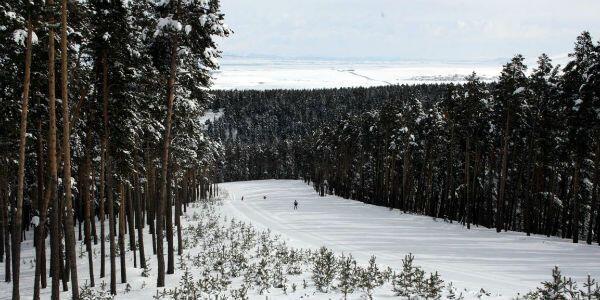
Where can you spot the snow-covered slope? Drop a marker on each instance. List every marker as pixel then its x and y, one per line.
pixel 506 263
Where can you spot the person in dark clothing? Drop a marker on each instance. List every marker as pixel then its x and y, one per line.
pixel 242 198
pixel 295 204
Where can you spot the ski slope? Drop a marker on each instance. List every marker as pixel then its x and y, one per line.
pixel 502 263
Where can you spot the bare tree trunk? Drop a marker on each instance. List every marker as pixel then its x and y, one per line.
pixel 467 211
pixel 103 158
pixel 138 212
pixel 405 174
pixel 111 234
pixel 503 175
pixel 151 191
pixel 18 216
pixel 55 230
pixel 575 222
pixel 69 230
pixel 122 232
pixel 3 225
pixel 178 220
pixel 169 223
pixel 92 203
pixel 594 206
pixel 165 166
pixel 130 225
pixel 5 229
pixel 40 236
pixel 87 200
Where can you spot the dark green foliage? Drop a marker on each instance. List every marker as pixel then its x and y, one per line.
pixel 347 275
pixel 520 153
pixel 370 277
pixel 323 269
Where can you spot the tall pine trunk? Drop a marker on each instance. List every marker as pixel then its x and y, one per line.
pixel 169 224
pixel 66 149
pixel 87 200
pixel 40 236
pixel 165 166
pixel 503 175
pixel 122 232
pixel 131 224
pixel 52 160
pixel 18 216
pixel 138 213
pixel 575 201
pixel 103 158
pixel 111 231
pixel 467 212
pixel 5 228
pixel 594 206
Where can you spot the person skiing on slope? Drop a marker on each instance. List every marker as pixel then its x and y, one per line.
pixel 242 198
pixel 295 204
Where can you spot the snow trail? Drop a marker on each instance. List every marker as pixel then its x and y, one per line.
pixel 507 263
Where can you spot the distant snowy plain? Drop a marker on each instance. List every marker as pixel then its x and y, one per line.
pixel 245 73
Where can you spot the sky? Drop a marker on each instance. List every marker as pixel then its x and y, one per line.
pixel 407 29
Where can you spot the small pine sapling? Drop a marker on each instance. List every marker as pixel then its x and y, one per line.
pixel 591 290
pixel 370 278
pixel 403 283
pixel 435 284
pixel 241 293
pixel 347 277
pixel 262 277
pixel 323 271
pixel 279 279
pixel 452 293
pixel 559 287
pixel 420 283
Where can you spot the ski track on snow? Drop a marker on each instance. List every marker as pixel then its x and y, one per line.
pixel 507 263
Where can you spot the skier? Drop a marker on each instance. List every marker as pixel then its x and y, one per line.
pixel 265 197
pixel 295 204
pixel 242 198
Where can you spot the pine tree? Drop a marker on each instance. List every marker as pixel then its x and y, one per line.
pixel 347 275
pixel 591 289
pixel 18 217
pixel 404 283
pixel 559 288
pixel 66 150
pixel 323 270
pixel 370 278
pixel 262 276
pixel 451 292
pixel 434 288
pixel 510 93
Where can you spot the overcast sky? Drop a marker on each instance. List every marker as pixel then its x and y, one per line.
pixel 407 29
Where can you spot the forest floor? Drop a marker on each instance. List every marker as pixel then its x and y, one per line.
pixel 251 235
pixel 504 264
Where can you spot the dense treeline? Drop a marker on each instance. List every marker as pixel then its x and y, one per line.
pixel 521 153
pixel 102 100
pixel 264 132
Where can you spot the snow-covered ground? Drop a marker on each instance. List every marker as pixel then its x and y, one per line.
pixel 503 263
pixel 258 73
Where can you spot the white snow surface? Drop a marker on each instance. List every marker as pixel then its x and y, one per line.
pixel 245 73
pixel 504 263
